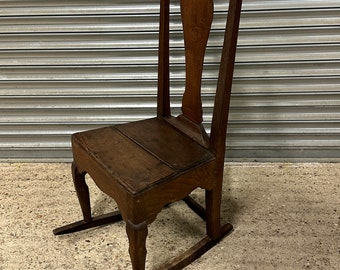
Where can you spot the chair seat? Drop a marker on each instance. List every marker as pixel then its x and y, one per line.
pixel 142 154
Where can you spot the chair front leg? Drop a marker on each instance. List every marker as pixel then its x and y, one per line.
pixel 84 200
pixel 137 244
pixel 82 192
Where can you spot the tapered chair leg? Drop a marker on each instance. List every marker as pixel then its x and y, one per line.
pixel 137 244
pixel 85 204
pixel 82 192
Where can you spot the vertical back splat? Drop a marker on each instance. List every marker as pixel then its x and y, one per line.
pixel 197 17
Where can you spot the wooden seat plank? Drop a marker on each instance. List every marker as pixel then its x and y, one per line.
pixel 118 155
pixel 167 143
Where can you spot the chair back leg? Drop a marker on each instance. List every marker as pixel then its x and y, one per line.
pixel 213 211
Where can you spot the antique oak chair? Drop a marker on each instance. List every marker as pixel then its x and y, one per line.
pixel 148 164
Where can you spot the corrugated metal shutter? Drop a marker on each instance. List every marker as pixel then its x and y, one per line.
pixel 287 91
pixel 67 66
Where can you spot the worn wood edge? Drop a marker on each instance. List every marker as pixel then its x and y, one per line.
pixel 81 225
pixel 195 251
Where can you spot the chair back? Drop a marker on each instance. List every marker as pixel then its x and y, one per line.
pixel 197 17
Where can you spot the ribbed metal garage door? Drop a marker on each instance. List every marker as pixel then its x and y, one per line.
pixel 67 66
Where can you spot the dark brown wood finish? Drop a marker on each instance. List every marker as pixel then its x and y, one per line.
pixel 197 21
pixel 148 164
pixel 163 97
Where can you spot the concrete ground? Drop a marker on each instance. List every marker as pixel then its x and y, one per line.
pixel 285 216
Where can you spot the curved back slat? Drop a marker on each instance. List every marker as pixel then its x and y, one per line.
pixel 197 17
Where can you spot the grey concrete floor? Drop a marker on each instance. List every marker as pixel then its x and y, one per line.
pixel 285 216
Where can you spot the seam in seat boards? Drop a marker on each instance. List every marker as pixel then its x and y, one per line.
pixel 203 155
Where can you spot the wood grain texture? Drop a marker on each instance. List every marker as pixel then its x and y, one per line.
pixel 197 18
pixel 128 163
pixel 163 141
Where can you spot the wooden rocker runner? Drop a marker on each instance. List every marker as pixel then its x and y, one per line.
pixel 148 164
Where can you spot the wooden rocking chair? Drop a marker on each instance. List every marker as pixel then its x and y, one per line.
pixel 148 164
